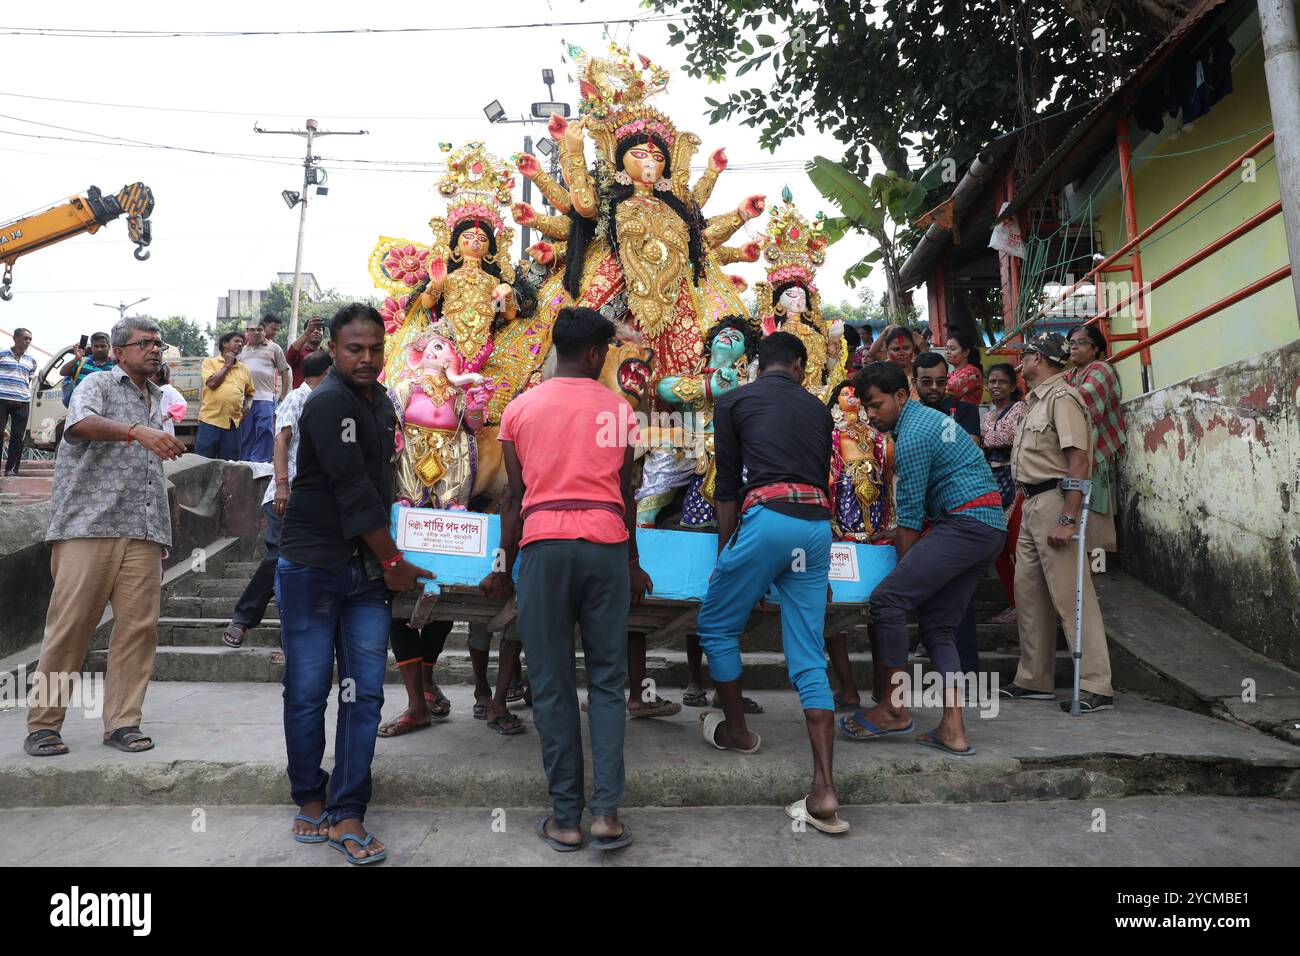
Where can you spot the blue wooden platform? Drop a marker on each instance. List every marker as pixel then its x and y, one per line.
pixel 459 547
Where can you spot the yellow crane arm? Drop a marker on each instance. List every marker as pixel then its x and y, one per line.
pixel 79 214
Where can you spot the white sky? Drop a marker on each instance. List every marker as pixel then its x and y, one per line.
pixel 220 223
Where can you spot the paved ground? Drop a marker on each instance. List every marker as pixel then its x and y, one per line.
pixel 222 743
pixel 1140 831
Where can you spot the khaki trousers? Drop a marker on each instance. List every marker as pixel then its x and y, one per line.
pixel 89 573
pixel 1045 587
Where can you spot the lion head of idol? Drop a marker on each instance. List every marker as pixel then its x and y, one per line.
pixel 628 366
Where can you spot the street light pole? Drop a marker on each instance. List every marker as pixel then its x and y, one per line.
pixel 308 180
pixel 122 307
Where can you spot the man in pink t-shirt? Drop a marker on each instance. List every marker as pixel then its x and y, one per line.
pixel 568 446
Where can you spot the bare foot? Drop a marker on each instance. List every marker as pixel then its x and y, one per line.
pixel 313 809
pixel 607 828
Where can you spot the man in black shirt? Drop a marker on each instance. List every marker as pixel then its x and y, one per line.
pixel 781 435
pixel 930 375
pixel 337 565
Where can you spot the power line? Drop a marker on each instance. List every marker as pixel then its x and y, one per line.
pixel 186 109
pixel 92 33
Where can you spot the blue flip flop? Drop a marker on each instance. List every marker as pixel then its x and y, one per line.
pixel 553 843
pixel 872 730
pixel 930 739
pixel 613 843
pixel 340 845
pixel 307 838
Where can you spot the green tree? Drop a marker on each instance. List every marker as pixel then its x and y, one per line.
pixel 185 334
pixel 906 77
pixel 917 84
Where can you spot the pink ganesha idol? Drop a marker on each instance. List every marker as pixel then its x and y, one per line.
pixel 439 408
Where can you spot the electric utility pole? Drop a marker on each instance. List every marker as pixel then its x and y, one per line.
pixel 312 175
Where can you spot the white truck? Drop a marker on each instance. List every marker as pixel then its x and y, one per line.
pixel 45 420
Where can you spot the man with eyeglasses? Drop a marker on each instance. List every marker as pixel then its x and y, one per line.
pixel 110 528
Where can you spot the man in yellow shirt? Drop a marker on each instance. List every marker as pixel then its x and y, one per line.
pixel 227 393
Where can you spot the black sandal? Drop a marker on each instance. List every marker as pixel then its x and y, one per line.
pixel 122 739
pixel 45 743
pixel 507 725
pixel 232 639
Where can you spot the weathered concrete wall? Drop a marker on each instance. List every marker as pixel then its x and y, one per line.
pixel 208 500
pixel 1210 510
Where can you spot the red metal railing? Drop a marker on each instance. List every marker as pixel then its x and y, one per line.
pixel 1133 244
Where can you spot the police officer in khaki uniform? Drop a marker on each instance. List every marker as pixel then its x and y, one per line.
pixel 1053 441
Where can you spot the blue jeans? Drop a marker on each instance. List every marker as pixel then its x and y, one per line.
pixel 795 555
pixel 215 442
pixel 324 616
pixel 257 432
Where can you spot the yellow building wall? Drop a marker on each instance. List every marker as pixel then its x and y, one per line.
pixel 1163 178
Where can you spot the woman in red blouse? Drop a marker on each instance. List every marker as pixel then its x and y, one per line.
pixel 999 432
pixel 966 380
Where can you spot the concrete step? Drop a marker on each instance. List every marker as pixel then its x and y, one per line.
pixel 1163 651
pixel 206 632
pixel 989 592
pixel 765 670
pixel 211 608
pixel 223 744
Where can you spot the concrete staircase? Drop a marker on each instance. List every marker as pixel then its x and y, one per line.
pixel 196 608
pixel 32 485
pixel 216 717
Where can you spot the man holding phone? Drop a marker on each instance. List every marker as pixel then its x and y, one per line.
pixel 305 344
pixel 75 370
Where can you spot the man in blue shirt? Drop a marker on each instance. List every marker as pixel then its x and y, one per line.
pixel 17 369
pixel 942 480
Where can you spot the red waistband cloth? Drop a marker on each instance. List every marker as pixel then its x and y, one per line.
pixel 789 491
pixel 992 500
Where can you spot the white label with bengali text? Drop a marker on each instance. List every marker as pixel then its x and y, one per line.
pixel 442 532
pixel 844 563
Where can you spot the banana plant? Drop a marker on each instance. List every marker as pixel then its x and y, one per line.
pixel 881 208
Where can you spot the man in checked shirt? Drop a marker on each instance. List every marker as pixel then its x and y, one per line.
pixel 943 481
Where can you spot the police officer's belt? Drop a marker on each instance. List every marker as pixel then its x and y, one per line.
pixel 1031 490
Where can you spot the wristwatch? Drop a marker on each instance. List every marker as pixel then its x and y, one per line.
pixel 1066 520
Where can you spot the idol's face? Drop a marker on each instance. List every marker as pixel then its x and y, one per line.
pixel 473 243
pixel 728 345
pixel 794 300
pixel 848 402
pixel 644 163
